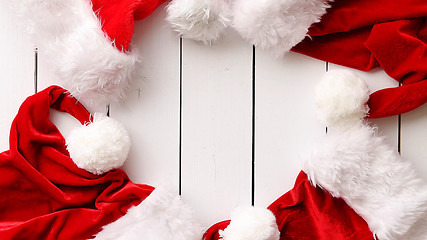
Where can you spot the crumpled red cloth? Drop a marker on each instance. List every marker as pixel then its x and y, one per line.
pixel 366 34
pixel 43 194
pixel 118 17
pixel 309 213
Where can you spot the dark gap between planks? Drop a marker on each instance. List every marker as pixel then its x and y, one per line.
pixel 36 66
pixel 180 120
pixel 253 125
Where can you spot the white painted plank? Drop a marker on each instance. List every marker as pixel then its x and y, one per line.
pixel 17 69
pixel 151 112
pixel 216 126
pixel 377 79
pixel 286 125
pixel 414 139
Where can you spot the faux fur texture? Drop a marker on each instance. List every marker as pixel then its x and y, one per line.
pixel 69 36
pixel 354 163
pixel 161 216
pixel 250 223
pixel 201 20
pixel 341 98
pixel 100 146
pixel 276 24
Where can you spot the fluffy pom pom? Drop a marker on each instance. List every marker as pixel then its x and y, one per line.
pixel 276 24
pixel 201 20
pixel 162 216
pixel 251 223
pixel 70 37
pixel 100 146
pixel 341 98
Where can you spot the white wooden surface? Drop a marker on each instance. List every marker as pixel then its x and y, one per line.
pixel 225 124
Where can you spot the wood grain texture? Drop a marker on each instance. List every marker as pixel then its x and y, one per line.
pixel 216 126
pixel 17 69
pixel 286 126
pixel 151 111
pixel 414 139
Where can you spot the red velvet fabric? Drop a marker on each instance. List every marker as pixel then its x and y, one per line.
pixel 213 232
pixel 43 194
pixel 309 213
pixel 366 34
pixel 118 17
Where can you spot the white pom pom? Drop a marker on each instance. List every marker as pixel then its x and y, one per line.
pixel 201 20
pixel 100 146
pixel 276 24
pixel 249 223
pixel 341 98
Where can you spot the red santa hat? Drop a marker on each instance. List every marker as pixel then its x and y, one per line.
pixel 366 34
pixel 87 42
pixel 305 212
pixel 354 185
pixel 354 163
pixel 47 192
pixel 270 24
pixel 350 33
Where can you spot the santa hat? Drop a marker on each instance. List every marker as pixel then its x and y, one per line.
pixel 79 193
pixel 270 24
pixel 309 210
pixel 305 212
pixel 354 186
pixel 369 34
pixel 87 42
pixel 354 163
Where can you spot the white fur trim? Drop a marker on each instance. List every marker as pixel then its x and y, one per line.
pixel 276 24
pixel 341 98
pixel 100 146
pixel 69 35
pixel 201 20
pixel 250 223
pixel 355 164
pixel 161 216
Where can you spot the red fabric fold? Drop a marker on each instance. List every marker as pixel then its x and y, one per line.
pixel 307 212
pixel 43 194
pixel 118 17
pixel 367 34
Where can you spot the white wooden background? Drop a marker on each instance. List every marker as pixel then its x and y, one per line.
pixel 226 124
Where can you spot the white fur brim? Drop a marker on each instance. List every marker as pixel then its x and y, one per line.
pixel 201 20
pixel 161 216
pixel 276 24
pixel 352 162
pixel 357 165
pixel 69 35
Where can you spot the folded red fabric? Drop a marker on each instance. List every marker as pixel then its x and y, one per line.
pixel 367 34
pixel 307 212
pixel 118 17
pixel 43 194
